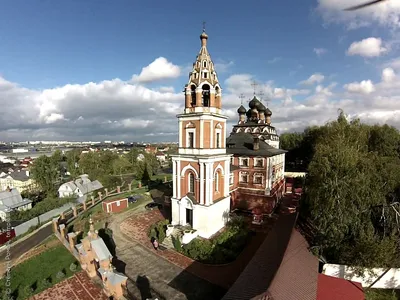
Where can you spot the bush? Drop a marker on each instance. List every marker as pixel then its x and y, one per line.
pixel 222 249
pixel 158 230
pixel 177 243
pixel 60 275
pixel 46 283
pixel 73 267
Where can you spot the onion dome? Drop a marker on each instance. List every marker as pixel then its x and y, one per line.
pixel 241 110
pixel 254 102
pixel 261 107
pixel 268 112
pixel 248 113
pixel 203 35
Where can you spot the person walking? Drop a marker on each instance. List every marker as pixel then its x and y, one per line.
pixel 155 244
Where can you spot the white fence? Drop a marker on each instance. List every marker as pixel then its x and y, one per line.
pixel 391 280
pixel 24 227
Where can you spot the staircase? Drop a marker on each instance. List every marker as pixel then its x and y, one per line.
pixel 167 243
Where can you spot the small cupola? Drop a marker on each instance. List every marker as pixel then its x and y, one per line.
pixel 241 110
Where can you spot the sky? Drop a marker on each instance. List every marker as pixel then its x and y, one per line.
pixel 115 70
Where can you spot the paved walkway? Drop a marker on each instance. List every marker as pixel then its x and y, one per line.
pixel 77 287
pixel 136 228
pixel 155 276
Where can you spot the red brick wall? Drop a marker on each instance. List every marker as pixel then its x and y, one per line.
pixel 113 205
pixel 242 199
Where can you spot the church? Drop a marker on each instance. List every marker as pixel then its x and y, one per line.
pixel 214 174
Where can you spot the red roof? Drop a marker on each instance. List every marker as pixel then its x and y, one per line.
pixel 332 288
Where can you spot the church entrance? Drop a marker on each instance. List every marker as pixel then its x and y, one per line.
pixel 189 217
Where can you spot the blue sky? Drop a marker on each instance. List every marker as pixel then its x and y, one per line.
pixel 49 44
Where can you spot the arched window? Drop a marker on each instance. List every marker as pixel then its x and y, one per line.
pixel 193 95
pixel 216 88
pixel 204 64
pixel 216 181
pixel 191 183
pixel 206 95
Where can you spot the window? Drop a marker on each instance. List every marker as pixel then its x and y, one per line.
pixel 205 64
pixel 231 179
pixel 216 181
pixel 193 95
pixel 258 178
pixel 258 162
pixel 218 140
pixel 244 177
pixel 244 162
pixel 191 183
pixel 205 75
pixel 191 139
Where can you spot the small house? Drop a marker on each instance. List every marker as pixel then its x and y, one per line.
pixel 115 205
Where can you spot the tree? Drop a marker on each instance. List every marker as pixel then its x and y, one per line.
pixel 72 157
pixel 45 172
pixel 347 189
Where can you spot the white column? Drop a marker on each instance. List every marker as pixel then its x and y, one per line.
pixel 201 183
pixel 201 133
pixel 226 178
pixel 174 178
pixel 178 178
pixel 210 182
pixel 180 133
pixel 212 134
pixel 207 181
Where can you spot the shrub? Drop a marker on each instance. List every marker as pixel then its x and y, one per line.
pixel 46 283
pixel 73 267
pixel 158 230
pixel 177 243
pixel 60 275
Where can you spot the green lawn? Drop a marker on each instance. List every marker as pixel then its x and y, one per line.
pixel 380 294
pixel 39 273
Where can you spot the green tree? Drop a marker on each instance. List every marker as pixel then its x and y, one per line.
pixel 45 172
pixel 72 157
pixel 346 191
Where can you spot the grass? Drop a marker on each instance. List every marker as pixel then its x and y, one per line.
pixel 39 273
pixel 381 294
pixel 99 217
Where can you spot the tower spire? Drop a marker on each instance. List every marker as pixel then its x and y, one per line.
pixel 204 36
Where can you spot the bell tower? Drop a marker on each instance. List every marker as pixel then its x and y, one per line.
pixel 202 167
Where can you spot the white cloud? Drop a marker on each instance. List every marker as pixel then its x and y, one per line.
pixel 320 51
pixel 363 87
pixel 369 47
pixel 314 78
pixel 388 75
pixel 166 89
pixel 116 109
pixel 386 13
pixel 159 69
pixel 222 66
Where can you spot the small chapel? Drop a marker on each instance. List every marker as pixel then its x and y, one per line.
pixel 212 173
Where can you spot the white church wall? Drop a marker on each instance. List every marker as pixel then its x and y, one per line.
pixel 208 220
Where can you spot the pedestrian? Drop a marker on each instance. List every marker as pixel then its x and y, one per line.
pixel 155 244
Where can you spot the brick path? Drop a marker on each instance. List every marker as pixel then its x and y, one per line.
pixel 77 287
pixel 136 227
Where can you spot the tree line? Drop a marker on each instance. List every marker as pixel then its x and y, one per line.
pixel 352 190
pixel 106 166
